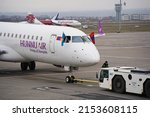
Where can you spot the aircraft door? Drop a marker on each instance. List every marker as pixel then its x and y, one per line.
pixel 52 43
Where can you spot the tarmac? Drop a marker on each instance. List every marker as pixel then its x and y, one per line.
pixel 47 82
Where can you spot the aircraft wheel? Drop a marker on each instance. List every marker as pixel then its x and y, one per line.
pixel 118 84
pixel 24 66
pixel 72 79
pixel 147 88
pixel 68 79
pixel 32 65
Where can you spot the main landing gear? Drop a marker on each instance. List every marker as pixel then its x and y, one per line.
pixel 25 65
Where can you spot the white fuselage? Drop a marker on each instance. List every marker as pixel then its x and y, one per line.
pixel 73 23
pixel 29 42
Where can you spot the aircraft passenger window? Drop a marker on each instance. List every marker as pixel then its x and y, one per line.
pixel 28 37
pixel 36 37
pixel 24 36
pixel 20 36
pixel 4 34
pixel 41 38
pixel 12 35
pixel 16 36
pixel 8 35
pixel 32 37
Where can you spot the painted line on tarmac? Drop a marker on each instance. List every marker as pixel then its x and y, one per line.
pixel 88 81
pixel 121 47
pixel 125 57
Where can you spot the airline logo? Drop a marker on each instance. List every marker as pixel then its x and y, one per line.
pixel 38 47
pixel 30 18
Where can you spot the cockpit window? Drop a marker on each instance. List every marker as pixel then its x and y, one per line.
pixel 78 39
pixel 67 39
pixel 85 39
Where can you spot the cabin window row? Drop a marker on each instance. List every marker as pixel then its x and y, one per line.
pixel 21 36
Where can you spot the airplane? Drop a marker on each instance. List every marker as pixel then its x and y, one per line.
pixel 30 18
pixel 63 22
pixel 58 45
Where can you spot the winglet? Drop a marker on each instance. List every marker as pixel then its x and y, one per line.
pixel 92 37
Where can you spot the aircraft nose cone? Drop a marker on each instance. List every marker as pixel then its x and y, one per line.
pixel 95 58
pixel 92 57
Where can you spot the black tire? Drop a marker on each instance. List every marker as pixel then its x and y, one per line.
pixel 32 65
pixel 72 79
pixel 147 88
pixel 24 66
pixel 118 84
pixel 68 79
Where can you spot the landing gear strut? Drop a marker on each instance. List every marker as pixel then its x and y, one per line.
pixel 25 65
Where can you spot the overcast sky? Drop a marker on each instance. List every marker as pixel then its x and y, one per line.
pixel 67 5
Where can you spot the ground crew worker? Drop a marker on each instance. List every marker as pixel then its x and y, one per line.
pixel 105 64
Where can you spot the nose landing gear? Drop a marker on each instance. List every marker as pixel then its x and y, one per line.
pixel 70 79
